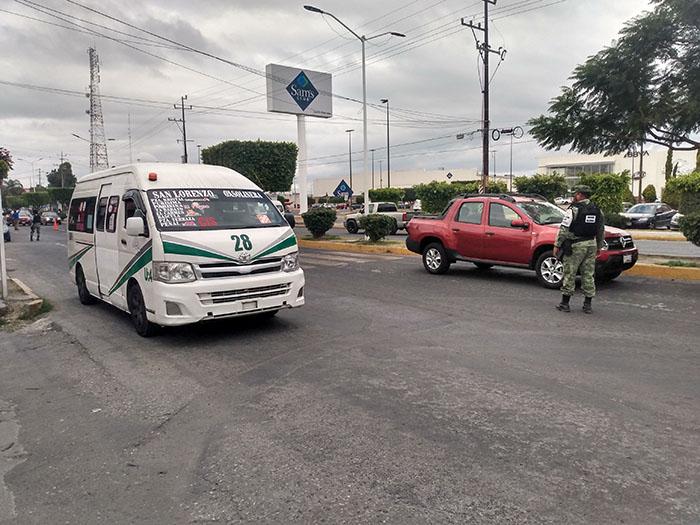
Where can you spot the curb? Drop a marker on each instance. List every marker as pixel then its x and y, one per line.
pixel 658 271
pixel 353 248
pixel 655 271
pixel 653 237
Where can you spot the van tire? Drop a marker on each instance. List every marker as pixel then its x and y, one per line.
pixel 83 293
pixel 137 310
pixel 435 259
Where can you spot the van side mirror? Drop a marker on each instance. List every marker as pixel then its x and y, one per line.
pixel 135 226
pixel 519 223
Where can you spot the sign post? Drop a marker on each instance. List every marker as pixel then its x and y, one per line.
pixel 302 93
pixel 3 263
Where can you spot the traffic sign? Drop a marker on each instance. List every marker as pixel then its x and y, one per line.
pixel 449 174
pixel 343 190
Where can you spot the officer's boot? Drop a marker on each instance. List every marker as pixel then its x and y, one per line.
pixel 563 306
pixel 587 307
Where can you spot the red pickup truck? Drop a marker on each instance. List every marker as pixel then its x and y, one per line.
pixel 508 230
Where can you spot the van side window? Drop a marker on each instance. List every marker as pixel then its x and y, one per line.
pixel 112 209
pixel 133 207
pixel 129 209
pixel 101 212
pixel 81 216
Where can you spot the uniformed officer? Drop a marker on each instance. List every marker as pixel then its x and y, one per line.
pixel 580 240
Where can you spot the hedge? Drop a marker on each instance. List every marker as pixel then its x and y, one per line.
pixel 319 220
pixel 649 193
pixel 271 165
pixel 435 195
pixel 685 191
pixel 690 227
pixel 386 195
pixel 377 226
pixel 608 190
pixel 549 186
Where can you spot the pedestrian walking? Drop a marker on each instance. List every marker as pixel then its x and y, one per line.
pixel 36 225
pixel 578 243
pixel 15 219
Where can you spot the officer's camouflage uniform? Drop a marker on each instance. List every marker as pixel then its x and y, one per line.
pixel 583 255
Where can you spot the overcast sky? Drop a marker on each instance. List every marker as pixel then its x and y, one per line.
pixel 430 76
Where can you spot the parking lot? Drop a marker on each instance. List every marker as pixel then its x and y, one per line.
pixel 393 395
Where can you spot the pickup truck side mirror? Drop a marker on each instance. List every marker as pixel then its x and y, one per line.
pixel 519 223
pixel 135 226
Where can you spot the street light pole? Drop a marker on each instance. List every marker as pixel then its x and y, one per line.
pixel 199 153
pixel 372 151
pixel 363 39
pixel 349 132
pixel 388 155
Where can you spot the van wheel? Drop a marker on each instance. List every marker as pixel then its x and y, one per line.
pixel 137 309
pixel 83 293
pixel 550 270
pixel 351 226
pixel 435 258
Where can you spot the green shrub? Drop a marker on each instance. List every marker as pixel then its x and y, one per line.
pixel 386 194
pixel 319 220
pixel 649 193
pixel 616 221
pixel 549 186
pixel 608 189
pixel 627 195
pixel 377 226
pixel 690 227
pixel 409 194
pixel 686 192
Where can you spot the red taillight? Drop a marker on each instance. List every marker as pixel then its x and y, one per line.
pixel 404 217
pixel 153 176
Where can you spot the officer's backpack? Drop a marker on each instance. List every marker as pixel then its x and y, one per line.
pixel 587 221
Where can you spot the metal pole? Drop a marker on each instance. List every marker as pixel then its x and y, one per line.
pixel 388 155
pixel 380 174
pixel 3 262
pixel 641 168
pixel 349 132
pixel 131 146
pixel 485 145
pixel 364 124
pixel 510 177
pixel 301 164
pixel 184 129
pixel 372 168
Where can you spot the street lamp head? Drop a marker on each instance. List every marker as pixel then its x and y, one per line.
pixel 397 34
pixel 349 130
pixel 384 100
pixel 314 9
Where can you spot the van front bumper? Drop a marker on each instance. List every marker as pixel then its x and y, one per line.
pixel 206 299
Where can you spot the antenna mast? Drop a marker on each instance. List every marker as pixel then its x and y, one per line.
pixel 98 143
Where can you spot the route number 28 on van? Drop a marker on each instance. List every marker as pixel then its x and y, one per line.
pixel 174 244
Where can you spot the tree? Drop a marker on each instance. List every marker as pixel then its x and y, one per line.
pixel 549 186
pixel 386 194
pixel 13 187
pixel 649 193
pixel 6 163
pixel 668 167
pixel 608 190
pixel 271 165
pixel 643 88
pixel 62 177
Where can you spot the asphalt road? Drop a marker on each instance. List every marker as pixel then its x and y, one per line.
pixel 680 249
pixel 393 396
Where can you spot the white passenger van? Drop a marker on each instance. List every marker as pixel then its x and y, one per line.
pixel 174 244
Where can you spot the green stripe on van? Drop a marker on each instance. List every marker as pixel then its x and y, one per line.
pixel 183 249
pixel 73 259
pixel 286 243
pixel 141 259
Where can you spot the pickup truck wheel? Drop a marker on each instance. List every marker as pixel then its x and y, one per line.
pixel 435 258
pixel 351 226
pixel 483 266
pixel 550 270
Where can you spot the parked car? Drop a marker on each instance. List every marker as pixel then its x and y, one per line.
pixel 627 205
pixel 675 220
pixel 6 231
pixel 49 217
pixel 508 230
pixel 649 215
pixel 417 205
pixel 25 218
pixel 352 221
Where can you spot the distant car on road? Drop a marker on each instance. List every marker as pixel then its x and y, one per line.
pixel 49 217
pixel 352 221
pixel 649 215
pixel 6 231
pixel 508 230
pixel 25 218
pixel 675 220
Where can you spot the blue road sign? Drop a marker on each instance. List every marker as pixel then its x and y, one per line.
pixel 343 190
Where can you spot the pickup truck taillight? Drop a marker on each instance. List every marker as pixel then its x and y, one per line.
pixel 404 217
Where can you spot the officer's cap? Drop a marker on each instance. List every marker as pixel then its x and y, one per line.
pixel 586 190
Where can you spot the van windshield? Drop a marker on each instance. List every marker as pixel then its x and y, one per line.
pixel 212 209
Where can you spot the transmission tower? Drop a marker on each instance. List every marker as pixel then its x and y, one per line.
pixel 98 143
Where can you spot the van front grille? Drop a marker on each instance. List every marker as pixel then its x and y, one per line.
pixel 245 294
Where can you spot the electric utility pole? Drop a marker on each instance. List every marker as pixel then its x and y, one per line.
pixel 184 141
pixel 485 51
pixel 98 143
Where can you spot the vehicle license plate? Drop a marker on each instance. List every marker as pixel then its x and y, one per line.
pixel 249 305
pixel 626 259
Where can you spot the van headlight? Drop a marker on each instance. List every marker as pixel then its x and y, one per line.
pixel 170 272
pixel 290 262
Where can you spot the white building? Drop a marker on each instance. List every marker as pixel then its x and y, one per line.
pixel 399 179
pixel 571 165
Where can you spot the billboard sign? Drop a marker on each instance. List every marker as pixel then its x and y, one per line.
pixel 299 91
pixel 343 190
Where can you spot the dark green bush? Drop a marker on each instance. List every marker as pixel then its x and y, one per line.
pixel 377 226
pixel 616 221
pixel 549 186
pixel 319 220
pixel 649 193
pixel 386 194
pixel 690 227
pixel 608 189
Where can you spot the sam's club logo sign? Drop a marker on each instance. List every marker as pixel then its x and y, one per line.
pixel 302 91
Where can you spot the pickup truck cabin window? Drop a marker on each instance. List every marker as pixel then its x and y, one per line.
pixel 470 212
pixel 501 215
pixel 386 208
